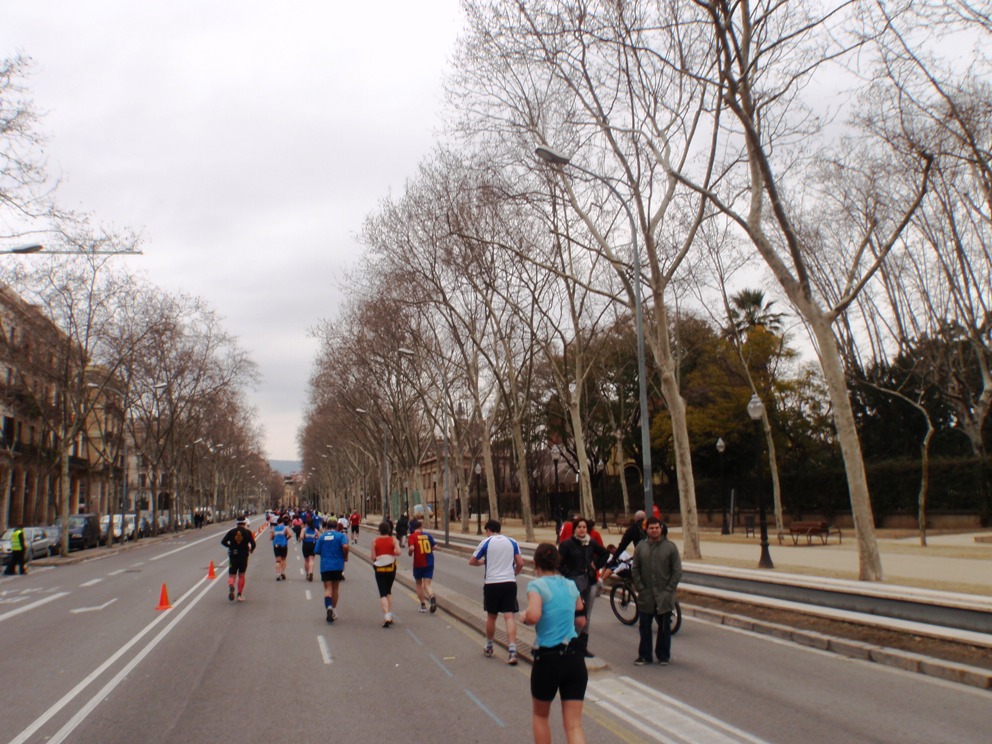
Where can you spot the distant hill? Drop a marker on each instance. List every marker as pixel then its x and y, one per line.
pixel 285 467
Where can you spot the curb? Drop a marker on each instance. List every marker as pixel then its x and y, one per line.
pixel 906 660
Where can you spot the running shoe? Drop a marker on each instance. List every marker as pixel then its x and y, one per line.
pixel 640 662
pixel 230 592
pixel 386 624
pixel 330 615
pixel 423 608
pixel 512 658
pixel 283 577
pixel 488 652
pixel 663 662
pixel 433 604
pixel 241 597
pixel 309 577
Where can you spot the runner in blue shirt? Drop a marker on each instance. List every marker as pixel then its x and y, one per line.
pixel 332 547
pixel 310 534
pixel 280 546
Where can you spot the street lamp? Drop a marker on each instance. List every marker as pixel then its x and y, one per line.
pixel 602 490
pixel 435 499
pixel 556 507
pixel 756 409
pixel 554 158
pixel 478 499
pixel 721 447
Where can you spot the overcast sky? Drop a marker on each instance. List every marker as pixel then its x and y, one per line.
pixel 245 140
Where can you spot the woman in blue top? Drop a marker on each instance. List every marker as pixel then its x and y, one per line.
pixel 555 608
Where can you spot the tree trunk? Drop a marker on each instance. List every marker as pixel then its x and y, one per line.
pixel 869 560
pixel 516 429
pixel 773 467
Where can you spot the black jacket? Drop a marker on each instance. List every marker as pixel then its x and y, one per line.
pixel 577 558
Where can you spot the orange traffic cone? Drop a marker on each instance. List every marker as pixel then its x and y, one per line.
pixel 163 600
pixel 211 574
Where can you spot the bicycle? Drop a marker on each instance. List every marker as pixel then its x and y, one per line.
pixel 623 599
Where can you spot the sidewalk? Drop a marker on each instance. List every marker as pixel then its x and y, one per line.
pixel 952 562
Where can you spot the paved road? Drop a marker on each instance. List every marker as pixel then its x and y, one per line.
pixel 92 659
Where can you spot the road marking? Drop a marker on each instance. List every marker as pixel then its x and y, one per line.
pixel 104 606
pixel 660 716
pixel 485 709
pixel 86 681
pixel 441 664
pixel 91 582
pixel 181 547
pixel 118 571
pixel 324 650
pixel 105 691
pixel 25 608
pixel 309 596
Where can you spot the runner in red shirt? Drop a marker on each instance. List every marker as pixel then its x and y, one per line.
pixel 356 520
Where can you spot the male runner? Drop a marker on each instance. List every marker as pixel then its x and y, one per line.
pixel 422 549
pixel 332 547
pixel 240 543
pixel 501 557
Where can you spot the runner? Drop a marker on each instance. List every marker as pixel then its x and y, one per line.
pixel 356 521
pixel 422 547
pixel 501 557
pixel 555 609
pixel 280 537
pixel 297 526
pixel 310 534
pixel 332 547
pixel 240 543
pixel 385 548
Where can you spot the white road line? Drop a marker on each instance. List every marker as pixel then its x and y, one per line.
pixel 309 596
pixel 668 718
pixel 91 582
pixel 324 650
pixel 118 571
pixel 86 681
pixel 105 691
pixel 31 606
pixel 182 547
pixel 104 606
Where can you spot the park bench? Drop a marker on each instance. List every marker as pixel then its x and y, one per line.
pixel 809 530
pixel 622 523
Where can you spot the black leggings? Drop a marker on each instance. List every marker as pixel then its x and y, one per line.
pixel 384 580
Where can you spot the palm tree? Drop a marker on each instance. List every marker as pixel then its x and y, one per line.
pixel 749 311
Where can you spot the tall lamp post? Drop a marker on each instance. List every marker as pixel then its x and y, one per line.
pixel 554 158
pixel 478 499
pixel 602 490
pixel 721 447
pixel 435 501
pixel 755 409
pixel 556 506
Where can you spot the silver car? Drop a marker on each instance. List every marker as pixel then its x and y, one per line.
pixel 38 540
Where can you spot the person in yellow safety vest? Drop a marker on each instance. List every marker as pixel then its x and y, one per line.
pixel 17 549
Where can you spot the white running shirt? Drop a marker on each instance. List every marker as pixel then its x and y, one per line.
pixel 499 553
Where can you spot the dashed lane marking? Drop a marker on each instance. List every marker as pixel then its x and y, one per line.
pixel 325 651
pixel 27 607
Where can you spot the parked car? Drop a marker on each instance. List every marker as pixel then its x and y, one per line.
pixel 38 540
pixel 84 531
pixel 105 525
